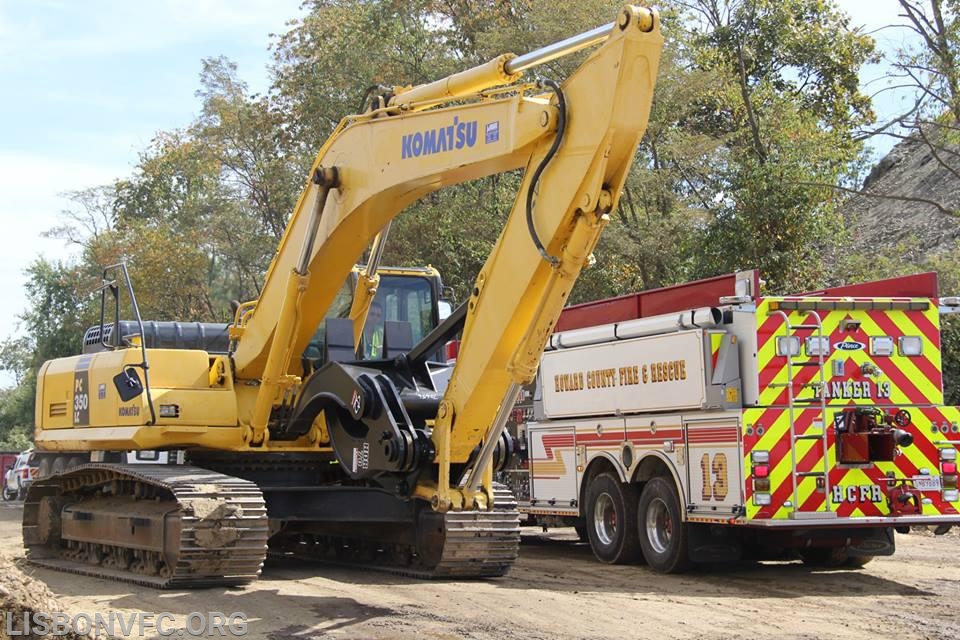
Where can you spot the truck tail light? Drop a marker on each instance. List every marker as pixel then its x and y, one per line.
pixel 948 474
pixel 881 346
pixel 788 346
pixel 817 346
pixel 760 469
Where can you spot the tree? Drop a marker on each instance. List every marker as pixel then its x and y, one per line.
pixel 90 216
pixel 59 310
pixel 327 62
pixel 934 67
pixel 928 74
pixel 784 112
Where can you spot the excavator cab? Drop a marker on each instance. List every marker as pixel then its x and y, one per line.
pixel 406 307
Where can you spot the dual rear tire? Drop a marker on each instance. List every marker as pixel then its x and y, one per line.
pixel 611 520
pixel 625 525
pixel 663 534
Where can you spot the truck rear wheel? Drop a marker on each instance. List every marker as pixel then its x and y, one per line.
pixel 826 557
pixel 611 520
pixel 663 534
pixel 857 562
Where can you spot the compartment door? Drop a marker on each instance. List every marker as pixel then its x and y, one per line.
pixel 553 465
pixel 713 466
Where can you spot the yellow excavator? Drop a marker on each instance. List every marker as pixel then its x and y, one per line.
pixel 176 453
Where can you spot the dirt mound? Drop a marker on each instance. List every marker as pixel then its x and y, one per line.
pixel 913 169
pixel 22 596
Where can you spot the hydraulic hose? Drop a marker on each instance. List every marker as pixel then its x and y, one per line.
pixel 534 182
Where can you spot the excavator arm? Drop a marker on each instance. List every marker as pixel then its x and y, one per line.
pixel 576 140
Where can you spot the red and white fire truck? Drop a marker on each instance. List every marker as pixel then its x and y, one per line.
pixel 704 423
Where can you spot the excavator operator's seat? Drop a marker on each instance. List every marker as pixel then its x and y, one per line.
pixel 397 338
pixel 338 346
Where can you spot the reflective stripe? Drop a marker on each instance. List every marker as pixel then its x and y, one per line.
pixel 922 454
pixel 375 348
pixel 912 380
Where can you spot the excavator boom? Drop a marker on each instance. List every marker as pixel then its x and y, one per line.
pixel 375 165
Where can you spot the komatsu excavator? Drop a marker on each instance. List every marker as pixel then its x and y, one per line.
pixel 285 434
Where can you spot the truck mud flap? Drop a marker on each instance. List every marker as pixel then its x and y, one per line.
pixel 712 544
pixel 875 542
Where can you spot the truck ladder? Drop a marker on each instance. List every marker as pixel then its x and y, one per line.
pixel 814 323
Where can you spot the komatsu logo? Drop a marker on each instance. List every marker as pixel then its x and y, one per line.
pixel 424 143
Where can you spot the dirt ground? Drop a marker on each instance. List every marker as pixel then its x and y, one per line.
pixel 558 590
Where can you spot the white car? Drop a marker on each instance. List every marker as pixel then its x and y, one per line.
pixel 19 476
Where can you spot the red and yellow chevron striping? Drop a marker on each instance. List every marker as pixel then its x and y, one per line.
pixel 858 371
pixel 850 490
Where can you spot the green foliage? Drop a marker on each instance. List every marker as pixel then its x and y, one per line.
pixel 57 313
pixel 53 326
pixel 328 60
pixel 16 416
pixel 783 105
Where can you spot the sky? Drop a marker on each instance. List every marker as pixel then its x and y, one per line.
pixel 86 85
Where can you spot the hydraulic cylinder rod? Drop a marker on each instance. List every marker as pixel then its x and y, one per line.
pixel 558 49
pixel 507 68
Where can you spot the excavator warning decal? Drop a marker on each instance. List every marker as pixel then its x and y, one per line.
pixel 361 458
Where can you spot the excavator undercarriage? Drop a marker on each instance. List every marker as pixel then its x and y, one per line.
pixel 178 526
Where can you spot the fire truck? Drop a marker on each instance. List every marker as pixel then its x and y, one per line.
pixel 706 423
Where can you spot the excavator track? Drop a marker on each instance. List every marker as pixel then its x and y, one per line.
pixel 455 544
pixel 158 526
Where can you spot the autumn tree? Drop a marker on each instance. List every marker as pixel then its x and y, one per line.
pixel 784 110
pixel 53 324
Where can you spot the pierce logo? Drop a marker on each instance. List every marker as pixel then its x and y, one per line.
pixel 849 345
pixel 424 143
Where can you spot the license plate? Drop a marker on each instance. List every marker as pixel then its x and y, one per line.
pixel 927 483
